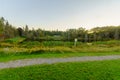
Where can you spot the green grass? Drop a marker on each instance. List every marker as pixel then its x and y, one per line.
pixel 96 70
pixel 8 57
pixel 55 49
pixel 14 40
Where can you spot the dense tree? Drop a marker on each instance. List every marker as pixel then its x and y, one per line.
pixel 2 20
pixel 95 34
pixel 26 31
pixel 20 32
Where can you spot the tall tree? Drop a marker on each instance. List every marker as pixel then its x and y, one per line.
pixel 26 31
pixel 2 20
pixel 116 35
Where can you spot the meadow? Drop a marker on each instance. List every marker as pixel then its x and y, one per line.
pixel 17 48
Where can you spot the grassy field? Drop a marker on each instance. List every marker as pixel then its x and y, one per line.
pixel 96 70
pixel 13 49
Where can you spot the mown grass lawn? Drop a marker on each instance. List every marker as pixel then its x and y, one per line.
pixel 17 56
pixel 96 70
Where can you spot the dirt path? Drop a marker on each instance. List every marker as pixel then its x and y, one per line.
pixel 28 62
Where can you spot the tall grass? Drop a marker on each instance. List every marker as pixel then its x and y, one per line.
pixel 58 46
pixel 35 47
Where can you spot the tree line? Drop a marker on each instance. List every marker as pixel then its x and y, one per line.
pixel 95 34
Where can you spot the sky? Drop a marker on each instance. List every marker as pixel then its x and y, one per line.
pixel 61 14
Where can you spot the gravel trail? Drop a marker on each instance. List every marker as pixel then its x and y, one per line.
pixel 28 62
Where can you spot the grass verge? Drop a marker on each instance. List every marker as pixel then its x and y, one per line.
pixel 8 57
pixel 96 70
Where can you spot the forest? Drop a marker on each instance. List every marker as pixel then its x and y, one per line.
pixel 104 33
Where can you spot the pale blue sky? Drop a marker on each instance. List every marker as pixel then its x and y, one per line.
pixel 61 14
